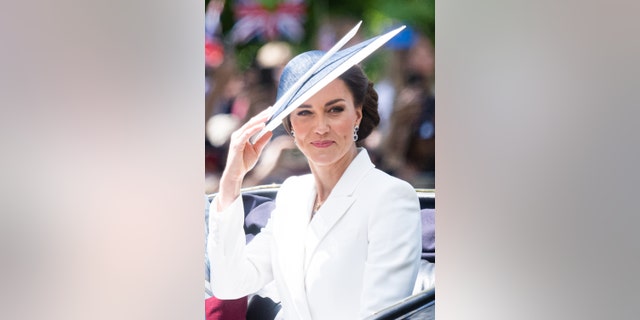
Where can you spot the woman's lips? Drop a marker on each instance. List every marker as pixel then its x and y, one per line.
pixel 322 144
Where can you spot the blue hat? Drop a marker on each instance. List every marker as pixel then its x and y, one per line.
pixel 331 68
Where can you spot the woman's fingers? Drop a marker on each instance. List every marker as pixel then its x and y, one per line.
pixel 259 145
pixel 268 111
pixel 261 117
pixel 242 154
pixel 245 134
pixel 253 126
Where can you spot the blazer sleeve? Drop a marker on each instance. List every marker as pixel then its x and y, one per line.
pixel 237 269
pixel 393 254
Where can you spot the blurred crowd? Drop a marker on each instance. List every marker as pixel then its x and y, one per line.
pixel 402 145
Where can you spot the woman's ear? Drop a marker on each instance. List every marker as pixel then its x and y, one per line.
pixel 358 115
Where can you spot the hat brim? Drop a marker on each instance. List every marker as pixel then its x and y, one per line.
pixel 331 69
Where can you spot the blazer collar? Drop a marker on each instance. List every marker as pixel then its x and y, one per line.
pixel 339 201
pixel 350 179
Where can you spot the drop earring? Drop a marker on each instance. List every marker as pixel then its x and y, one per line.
pixel 293 135
pixel 355 133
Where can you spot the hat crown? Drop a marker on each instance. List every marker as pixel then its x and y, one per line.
pixel 296 68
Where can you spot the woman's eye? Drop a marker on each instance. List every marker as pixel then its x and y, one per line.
pixel 303 112
pixel 336 109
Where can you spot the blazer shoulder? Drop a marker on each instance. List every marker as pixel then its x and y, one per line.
pixel 296 181
pixel 384 181
pixel 296 184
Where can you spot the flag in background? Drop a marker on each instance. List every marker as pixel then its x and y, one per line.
pixel 268 20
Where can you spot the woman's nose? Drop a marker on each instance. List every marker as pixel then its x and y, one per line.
pixel 322 125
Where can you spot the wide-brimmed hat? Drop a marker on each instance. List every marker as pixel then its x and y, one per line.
pixel 309 72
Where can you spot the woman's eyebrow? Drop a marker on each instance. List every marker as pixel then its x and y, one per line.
pixel 333 101
pixel 306 106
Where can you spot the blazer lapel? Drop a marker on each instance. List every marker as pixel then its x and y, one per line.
pixel 336 205
pixel 328 215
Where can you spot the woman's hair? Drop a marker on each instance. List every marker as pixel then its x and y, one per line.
pixel 363 95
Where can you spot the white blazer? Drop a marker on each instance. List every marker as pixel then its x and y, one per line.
pixel 360 252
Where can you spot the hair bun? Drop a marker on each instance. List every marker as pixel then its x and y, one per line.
pixel 370 116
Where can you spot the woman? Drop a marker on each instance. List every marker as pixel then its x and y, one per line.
pixel 343 241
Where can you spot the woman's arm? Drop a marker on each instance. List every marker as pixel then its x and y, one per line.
pixel 242 157
pixel 393 254
pixel 233 274
pixel 237 269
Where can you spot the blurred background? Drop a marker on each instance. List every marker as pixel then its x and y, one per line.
pixel 248 42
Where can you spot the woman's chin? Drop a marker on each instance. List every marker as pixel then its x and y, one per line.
pixel 322 157
pixel 323 160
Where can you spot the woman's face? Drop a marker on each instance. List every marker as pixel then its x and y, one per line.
pixel 323 125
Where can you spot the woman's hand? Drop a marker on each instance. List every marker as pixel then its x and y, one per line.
pixel 243 156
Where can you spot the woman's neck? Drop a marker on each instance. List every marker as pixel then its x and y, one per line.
pixel 326 177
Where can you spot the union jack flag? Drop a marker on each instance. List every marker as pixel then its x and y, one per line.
pixel 255 20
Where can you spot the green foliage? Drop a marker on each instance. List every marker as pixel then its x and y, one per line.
pixel 378 14
pixel 419 14
pixel 270 4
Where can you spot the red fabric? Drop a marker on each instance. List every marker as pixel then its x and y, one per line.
pixel 216 309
